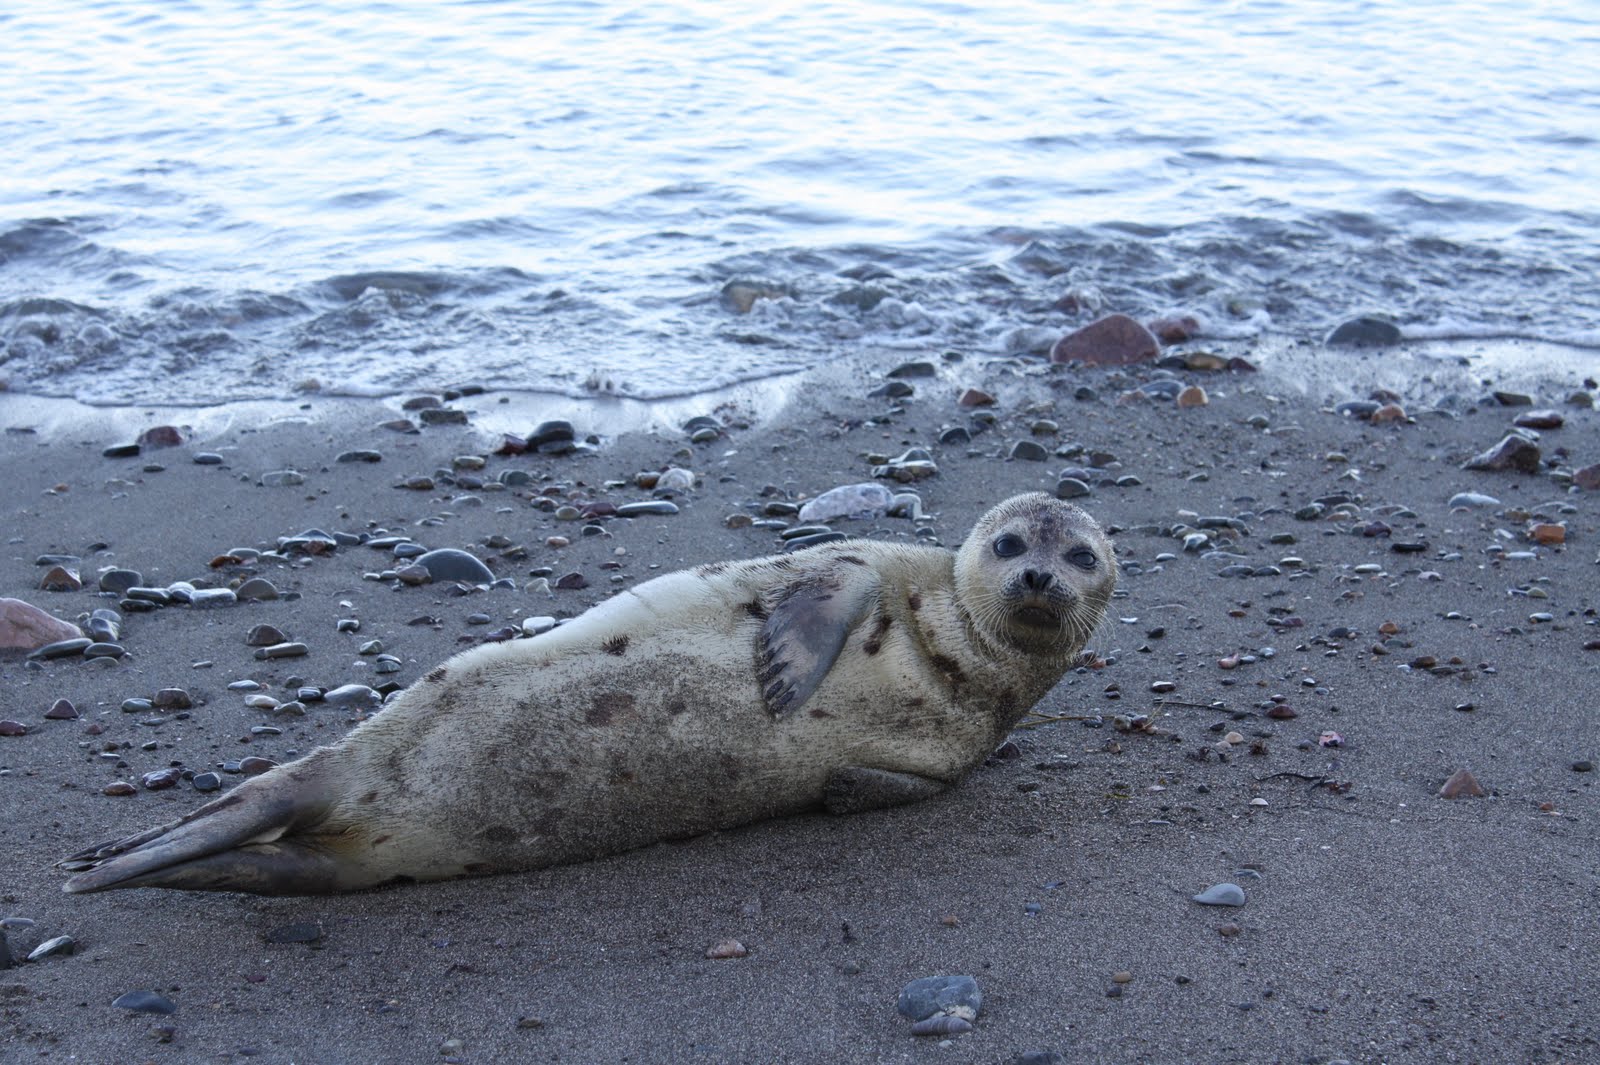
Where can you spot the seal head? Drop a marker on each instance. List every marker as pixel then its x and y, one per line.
pixel 1036 574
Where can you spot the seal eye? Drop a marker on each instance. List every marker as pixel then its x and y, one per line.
pixel 1009 546
pixel 1082 557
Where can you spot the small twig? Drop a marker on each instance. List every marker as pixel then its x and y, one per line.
pixel 1036 719
pixel 1219 705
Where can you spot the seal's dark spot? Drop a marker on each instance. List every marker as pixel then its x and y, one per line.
pixel 617 645
pixel 819 712
pixel 382 839
pixel 916 702
pixel 606 706
pixel 874 643
pixel 731 769
pixel 854 560
pixel 915 601
pixel 498 834
pixel 622 776
pixel 949 667
pixel 756 610
pixel 370 796
pixel 1006 703
pixel 676 707
pixel 436 675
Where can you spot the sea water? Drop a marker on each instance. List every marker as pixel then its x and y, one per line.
pixel 206 201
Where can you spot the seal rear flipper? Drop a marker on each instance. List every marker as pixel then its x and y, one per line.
pixel 233 832
pixel 858 788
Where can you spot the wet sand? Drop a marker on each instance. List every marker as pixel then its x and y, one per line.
pixel 1383 923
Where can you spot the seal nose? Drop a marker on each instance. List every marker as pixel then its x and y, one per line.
pixel 1035 581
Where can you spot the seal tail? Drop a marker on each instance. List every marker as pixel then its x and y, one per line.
pixel 250 840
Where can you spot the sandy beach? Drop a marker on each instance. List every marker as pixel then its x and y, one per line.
pixel 1295 686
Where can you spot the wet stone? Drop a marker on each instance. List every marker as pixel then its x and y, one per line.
pixel 1513 452
pixel 1512 399
pixel 956 996
pixel 281 650
pixel 172 699
pixel 61 579
pixel 62 648
pixel 647 508
pixel 13 728
pixel 359 456
pixel 357 696
pixel 1363 332
pixel 211 598
pixel 1540 419
pixel 104 650
pixel 104 625
pixel 282 478
pixel 442 416
pixel 145 1002
pixel 1221 895
pixel 120 580
pixel 61 710
pixel 1029 451
pixel 450 564
pixel 207 458
pixel 572 581
pixel 265 636
pixel 60 946
pixel 206 781
pixel 121 451
pixel 161 779
pixel 1115 340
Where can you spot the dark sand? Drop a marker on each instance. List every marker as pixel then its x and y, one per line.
pixel 1384 923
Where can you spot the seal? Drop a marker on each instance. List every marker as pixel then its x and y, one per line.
pixel 849 676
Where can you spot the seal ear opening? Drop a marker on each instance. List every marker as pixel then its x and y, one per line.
pixel 231 844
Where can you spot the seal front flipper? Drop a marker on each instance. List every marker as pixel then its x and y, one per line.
pixel 857 789
pixel 245 841
pixel 807 628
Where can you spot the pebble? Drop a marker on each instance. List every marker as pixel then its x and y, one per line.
pixel 60 945
pixel 209 598
pixel 974 397
pixel 1462 784
pixel 256 589
pixel 537 625
pixel 857 501
pixel 119 787
pixel 145 1002
pixel 1472 499
pixel 104 625
pixel 359 456
pixel 121 451
pixel 61 579
pixel 647 508
pixel 62 648
pixel 161 779
pixel 1029 451
pixel 120 580
pixel 207 458
pixel 1540 419
pixel 413 575
pixel 929 996
pixel 1221 895
pixel 264 636
pixel 1513 452
pixel 1363 332
pixel 13 728
pixel 61 710
pixel 281 650
pixel 727 948
pixel 572 581
pixel 442 416
pixel 1193 396
pixel 449 564
pixel 206 781
pixel 172 699
pixel 254 766
pixel 282 479
pixel 357 696
pixel 1115 340
pixel 104 650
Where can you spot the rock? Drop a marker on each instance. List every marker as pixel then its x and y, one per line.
pixel 282 478
pixel 1540 419
pixel 1472 499
pixel 119 787
pixel 206 781
pixel 1513 399
pixel 61 710
pixel 357 696
pixel 555 437
pixel 1221 894
pixel 104 624
pixel 1029 451
pixel 974 397
pixel 159 436
pixel 172 699
pixel 1547 533
pixel 24 626
pixel 572 581
pixel 120 580
pixel 449 564
pixel 953 996
pixel 121 451
pixel 1193 396
pixel 857 501
pixel 1115 340
pixel 207 458
pixel 63 648
pixel 264 636
pixel 210 598
pixel 1514 452
pixel 61 579
pixel 727 948
pixel 892 390
pixel 359 456
pixel 281 650
pixel 1364 332
pixel 1071 488
pixel 913 369
pixel 1587 478
pixel 1174 329
pixel 442 416
pixel 13 728
pixel 161 779
pixel 256 589
pixel 647 508
pixel 1462 784
pixel 145 1002
pixel 675 479
pixel 741 294
pixel 61 946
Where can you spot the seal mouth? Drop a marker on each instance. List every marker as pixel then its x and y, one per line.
pixel 1037 617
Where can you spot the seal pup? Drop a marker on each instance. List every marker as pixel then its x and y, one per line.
pixel 850 676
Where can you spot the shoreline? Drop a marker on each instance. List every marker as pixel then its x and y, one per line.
pixel 1383 922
